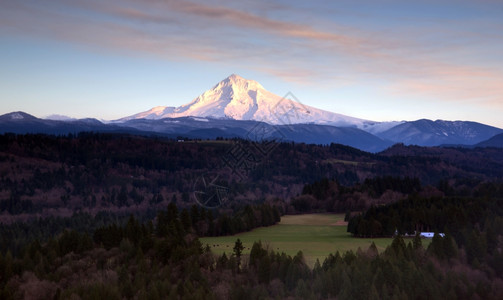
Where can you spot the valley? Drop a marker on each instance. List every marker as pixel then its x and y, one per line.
pixel 251 150
pixel 117 215
pixel 316 235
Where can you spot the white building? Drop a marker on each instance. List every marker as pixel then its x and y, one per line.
pixel 429 235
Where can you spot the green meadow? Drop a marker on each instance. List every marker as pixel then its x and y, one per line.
pixel 316 235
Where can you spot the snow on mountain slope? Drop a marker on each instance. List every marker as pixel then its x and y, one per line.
pixel 155 113
pixel 378 127
pixel 241 99
pixel 57 117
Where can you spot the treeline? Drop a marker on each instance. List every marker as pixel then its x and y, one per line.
pixel 16 236
pixel 374 186
pixel 475 224
pixel 143 263
pixel 173 264
pixel 402 271
pixel 163 258
pixel 106 228
pixel 415 213
pixel 198 221
pixel 42 174
pixel 171 241
pixel 332 196
pixel 378 185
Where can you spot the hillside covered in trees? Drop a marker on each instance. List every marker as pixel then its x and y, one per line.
pixel 166 260
pixel 114 216
pixel 43 176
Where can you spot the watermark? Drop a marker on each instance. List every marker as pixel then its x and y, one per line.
pixel 245 155
pixel 288 112
pixel 208 193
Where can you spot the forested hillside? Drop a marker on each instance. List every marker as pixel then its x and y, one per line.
pixel 54 176
pixel 166 260
pixel 112 216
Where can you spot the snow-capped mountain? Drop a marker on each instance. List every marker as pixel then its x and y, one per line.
pixel 236 107
pixel 242 99
pixel 421 132
pixel 199 128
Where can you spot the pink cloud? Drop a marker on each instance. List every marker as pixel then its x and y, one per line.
pixel 285 48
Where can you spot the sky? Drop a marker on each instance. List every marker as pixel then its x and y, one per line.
pixel 376 60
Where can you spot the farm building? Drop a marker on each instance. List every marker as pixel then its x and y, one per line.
pixel 429 235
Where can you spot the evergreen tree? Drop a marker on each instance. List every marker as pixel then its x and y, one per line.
pixel 194 214
pixel 264 269
pixel 238 250
pixel 416 242
pixel 449 247
pixel 222 261
pixel 437 246
pixel 185 219
pixel 172 213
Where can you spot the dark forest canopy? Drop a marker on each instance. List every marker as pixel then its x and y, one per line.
pixel 42 174
pixel 164 259
pixel 114 216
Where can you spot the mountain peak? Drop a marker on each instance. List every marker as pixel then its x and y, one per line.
pixel 234 76
pixel 17 115
pixel 239 98
pixel 240 83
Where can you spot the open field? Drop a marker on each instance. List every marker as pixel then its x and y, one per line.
pixel 316 235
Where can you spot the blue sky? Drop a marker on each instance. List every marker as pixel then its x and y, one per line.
pixel 377 60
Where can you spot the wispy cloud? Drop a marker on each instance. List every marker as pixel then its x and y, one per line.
pixel 276 42
pixel 477 88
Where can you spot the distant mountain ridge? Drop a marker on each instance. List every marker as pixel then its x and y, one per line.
pixel 201 128
pixel 496 141
pixel 416 132
pixel 21 123
pixel 433 133
pixel 235 107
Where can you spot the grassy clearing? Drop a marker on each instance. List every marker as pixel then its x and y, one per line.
pixel 316 235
